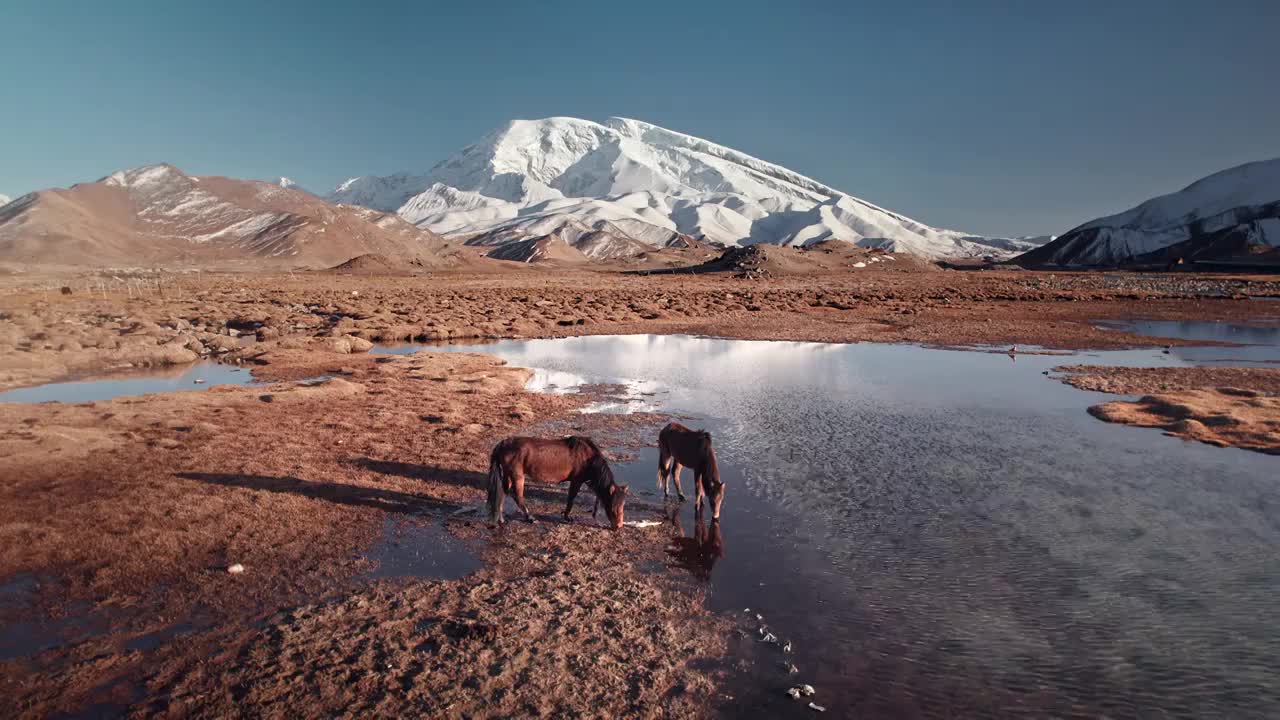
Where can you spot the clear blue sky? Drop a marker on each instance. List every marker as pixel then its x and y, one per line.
pixel 996 117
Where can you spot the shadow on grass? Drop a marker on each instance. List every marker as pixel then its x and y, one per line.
pixel 342 494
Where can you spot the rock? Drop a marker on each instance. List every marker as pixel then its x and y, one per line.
pixel 807 690
pixel 267 333
pixel 359 344
pixel 220 343
pixel 235 569
pixel 340 345
pixel 794 693
pixel 816 707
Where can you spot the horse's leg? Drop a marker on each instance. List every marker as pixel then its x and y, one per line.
pixel 575 484
pixel 675 473
pixel 518 482
pixel 497 486
pixel 663 461
pixel 698 476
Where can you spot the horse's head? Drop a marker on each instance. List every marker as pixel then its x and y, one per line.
pixel 611 494
pixel 617 505
pixel 715 496
pixel 713 485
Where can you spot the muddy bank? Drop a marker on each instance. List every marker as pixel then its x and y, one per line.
pixel 48 335
pixel 1226 417
pixel 121 518
pixel 558 624
pixel 1152 380
pixel 1223 406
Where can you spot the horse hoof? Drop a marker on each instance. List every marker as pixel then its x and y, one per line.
pixel 681 497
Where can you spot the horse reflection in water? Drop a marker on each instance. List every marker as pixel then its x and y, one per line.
pixel 697 554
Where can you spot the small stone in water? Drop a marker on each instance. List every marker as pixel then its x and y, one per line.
pixel 759 616
pixel 198 381
pixel 235 569
pixel 794 693
pixel 817 707
pixel 792 669
pixel 807 690
pixel 786 648
pixel 770 638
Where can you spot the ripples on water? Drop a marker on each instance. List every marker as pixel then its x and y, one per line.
pixel 949 534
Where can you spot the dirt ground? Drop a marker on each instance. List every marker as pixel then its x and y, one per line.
pixel 123 517
pixel 119 519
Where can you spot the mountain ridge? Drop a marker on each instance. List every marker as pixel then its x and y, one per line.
pixel 157 214
pixel 1230 213
pixel 565 176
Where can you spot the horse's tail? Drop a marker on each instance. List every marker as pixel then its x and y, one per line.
pixel 497 489
pixel 664 462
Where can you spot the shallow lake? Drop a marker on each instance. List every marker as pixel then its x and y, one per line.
pixel 948 534
pixel 1260 343
pixel 138 382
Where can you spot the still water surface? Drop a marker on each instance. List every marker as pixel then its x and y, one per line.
pixel 949 534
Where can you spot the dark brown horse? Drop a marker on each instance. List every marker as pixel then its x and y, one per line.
pixel 573 459
pixel 679 446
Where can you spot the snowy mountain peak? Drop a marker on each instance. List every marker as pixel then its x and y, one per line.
pixel 4 200
pixel 285 182
pixel 643 183
pixel 1235 212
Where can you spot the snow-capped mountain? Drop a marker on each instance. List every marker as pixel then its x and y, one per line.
pixel 643 186
pixel 4 200
pixel 1235 212
pixel 158 214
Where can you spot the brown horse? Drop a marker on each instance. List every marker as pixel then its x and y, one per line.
pixel 573 459
pixel 679 446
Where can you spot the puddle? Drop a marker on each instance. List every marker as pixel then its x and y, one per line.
pixel 1260 344
pixel 634 395
pixel 949 534
pixel 420 549
pixel 156 380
